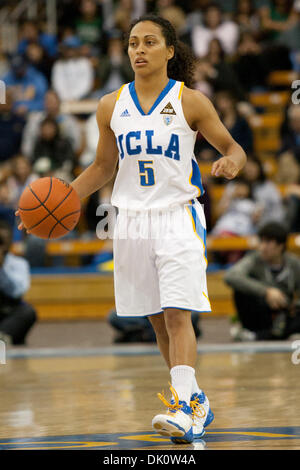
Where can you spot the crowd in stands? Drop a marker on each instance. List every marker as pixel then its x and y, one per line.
pixel 237 44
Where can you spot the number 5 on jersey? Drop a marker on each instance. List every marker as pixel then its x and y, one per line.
pixel 146 173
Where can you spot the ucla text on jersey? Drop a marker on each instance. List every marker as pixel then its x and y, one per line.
pixel 157 166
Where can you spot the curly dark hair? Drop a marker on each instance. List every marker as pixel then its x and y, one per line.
pixel 181 66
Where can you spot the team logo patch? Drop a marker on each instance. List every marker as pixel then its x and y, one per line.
pixel 168 109
pixel 167 120
pixel 125 113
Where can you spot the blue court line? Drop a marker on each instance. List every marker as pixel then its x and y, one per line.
pixel 145 350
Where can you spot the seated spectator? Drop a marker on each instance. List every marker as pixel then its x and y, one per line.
pixel 214 27
pixel 264 191
pixel 238 212
pixel 265 283
pixel 68 125
pixel 221 74
pixel 11 128
pixel 114 68
pixel 201 76
pixel 248 63
pixel 16 315
pixel 28 86
pixel 238 127
pixel 123 15
pixel 7 211
pixel 277 18
pixel 52 153
pixel 246 16
pixel 88 26
pixel 30 33
pixel 91 132
pixel 72 75
pixel 290 140
pixel 38 58
pixel 21 176
pixel 292 198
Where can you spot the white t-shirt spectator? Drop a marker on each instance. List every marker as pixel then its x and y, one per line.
pixel 72 79
pixel 227 33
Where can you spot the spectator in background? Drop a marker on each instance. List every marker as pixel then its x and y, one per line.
pixel 91 132
pixel 214 27
pixel 16 315
pixel 114 68
pixel 38 58
pixel 248 63
pixel 290 139
pixel 123 15
pixel 246 16
pixel 7 211
pixel 265 283
pixel 277 18
pixel 11 128
pixel 72 75
pixel 221 74
pixel 238 212
pixel 289 154
pixel 52 153
pixel 28 86
pixel 21 176
pixel 264 192
pixel 30 33
pixel 68 125
pixel 88 26
pixel 238 127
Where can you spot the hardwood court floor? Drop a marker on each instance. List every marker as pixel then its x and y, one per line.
pixel 108 401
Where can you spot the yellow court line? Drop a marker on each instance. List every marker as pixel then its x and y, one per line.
pixel 146 437
pixel 78 444
pixel 256 434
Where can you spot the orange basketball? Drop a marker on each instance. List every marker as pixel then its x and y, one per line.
pixel 49 207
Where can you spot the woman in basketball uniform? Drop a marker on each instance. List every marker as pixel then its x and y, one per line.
pixel 149 127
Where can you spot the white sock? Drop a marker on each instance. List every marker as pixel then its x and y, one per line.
pixel 182 381
pixel 195 387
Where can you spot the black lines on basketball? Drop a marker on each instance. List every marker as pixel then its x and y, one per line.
pixel 37 207
pixel 51 212
pixel 67 215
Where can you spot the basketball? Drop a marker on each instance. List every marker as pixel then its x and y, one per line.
pixel 49 208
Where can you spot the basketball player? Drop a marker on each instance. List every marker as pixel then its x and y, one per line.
pixel 149 126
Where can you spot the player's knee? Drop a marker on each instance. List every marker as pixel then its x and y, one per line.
pixel 177 320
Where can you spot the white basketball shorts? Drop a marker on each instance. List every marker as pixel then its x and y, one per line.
pixel 160 261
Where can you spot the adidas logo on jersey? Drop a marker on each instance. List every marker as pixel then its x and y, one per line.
pixel 125 113
pixel 168 109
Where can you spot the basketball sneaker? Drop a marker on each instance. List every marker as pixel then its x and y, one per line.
pixel 202 414
pixel 177 422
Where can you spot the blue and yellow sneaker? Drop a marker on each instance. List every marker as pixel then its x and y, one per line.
pixel 177 423
pixel 202 414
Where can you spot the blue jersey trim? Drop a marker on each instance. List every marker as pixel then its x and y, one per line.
pixel 192 310
pixel 200 230
pixel 160 97
pixel 196 177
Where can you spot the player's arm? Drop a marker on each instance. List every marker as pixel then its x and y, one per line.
pixel 103 168
pixel 202 116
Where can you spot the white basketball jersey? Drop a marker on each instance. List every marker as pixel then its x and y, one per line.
pixel 157 166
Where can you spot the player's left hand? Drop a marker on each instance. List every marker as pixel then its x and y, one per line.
pixel 225 167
